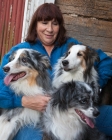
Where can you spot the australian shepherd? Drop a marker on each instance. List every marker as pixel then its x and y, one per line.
pixel 70 113
pixel 77 64
pixel 26 74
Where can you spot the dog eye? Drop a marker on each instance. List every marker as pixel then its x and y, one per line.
pixel 84 101
pixel 24 60
pixel 79 54
pixel 67 54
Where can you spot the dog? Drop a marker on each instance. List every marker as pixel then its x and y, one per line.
pixel 77 64
pixel 70 113
pixel 26 74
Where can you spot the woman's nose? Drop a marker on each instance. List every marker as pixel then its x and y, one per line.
pixel 50 28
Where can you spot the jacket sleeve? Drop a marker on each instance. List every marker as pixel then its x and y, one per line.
pixel 104 68
pixel 7 97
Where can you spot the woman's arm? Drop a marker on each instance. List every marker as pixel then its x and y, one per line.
pixel 39 102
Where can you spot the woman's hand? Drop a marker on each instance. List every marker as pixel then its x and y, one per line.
pixel 38 102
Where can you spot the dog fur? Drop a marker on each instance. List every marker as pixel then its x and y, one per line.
pixel 70 113
pixel 26 75
pixel 78 65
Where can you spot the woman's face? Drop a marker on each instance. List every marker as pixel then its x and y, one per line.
pixel 47 31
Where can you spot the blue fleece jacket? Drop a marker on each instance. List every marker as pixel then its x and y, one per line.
pixel 9 100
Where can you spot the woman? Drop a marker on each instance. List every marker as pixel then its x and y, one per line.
pixel 47 35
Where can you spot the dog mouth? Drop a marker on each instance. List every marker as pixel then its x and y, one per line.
pixel 66 69
pixel 13 77
pixel 84 118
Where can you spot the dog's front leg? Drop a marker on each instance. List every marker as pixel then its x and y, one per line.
pixel 8 128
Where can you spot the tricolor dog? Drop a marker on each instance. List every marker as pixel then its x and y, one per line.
pixel 71 112
pixel 78 65
pixel 26 74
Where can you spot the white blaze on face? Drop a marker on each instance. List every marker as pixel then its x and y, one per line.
pixel 76 56
pixel 15 60
pixel 14 72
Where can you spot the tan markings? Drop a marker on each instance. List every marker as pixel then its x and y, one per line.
pixel 83 64
pixel 82 58
pixel 32 74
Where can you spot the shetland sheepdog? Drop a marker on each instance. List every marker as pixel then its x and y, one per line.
pixel 70 113
pixel 77 64
pixel 26 74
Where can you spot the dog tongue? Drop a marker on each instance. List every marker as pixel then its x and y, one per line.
pixel 89 122
pixel 8 79
pixel 13 77
pixel 85 118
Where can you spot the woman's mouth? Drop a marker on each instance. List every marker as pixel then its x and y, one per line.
pixel 48 36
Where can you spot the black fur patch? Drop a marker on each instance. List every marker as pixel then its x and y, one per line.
pixel 90 58
pixel 72 94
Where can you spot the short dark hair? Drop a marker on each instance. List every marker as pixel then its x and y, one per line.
pixel 46 12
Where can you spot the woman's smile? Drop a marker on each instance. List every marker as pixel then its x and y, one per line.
pixel 47 31
pixel 48 35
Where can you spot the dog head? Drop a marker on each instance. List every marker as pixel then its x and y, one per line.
pixel 25 63
pixel 79 57
pixel 78 99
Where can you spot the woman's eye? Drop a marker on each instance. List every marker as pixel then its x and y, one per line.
pixel 44 22
pixel 55 23
pixel 79 54
pixel 24 60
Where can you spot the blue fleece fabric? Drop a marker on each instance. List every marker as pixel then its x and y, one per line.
pixel 9 100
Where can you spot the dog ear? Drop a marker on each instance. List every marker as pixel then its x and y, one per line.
pixel 63 95
pixel 46 62
pixel 96 91
pixel 43 60
pixel 91 57
pixel 58 99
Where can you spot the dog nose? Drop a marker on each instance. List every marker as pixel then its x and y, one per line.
pixel 65 62
pixel 96 113
pixel 6 69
